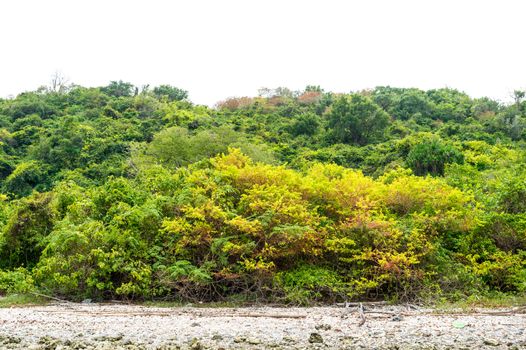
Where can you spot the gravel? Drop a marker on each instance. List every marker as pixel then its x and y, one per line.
pixel 105 326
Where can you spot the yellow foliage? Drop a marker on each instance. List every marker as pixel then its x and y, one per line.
pixel 245 225
pixel 176 225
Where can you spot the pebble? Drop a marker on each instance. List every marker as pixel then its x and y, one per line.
pixel 491 342
pixel 253 341
pixel 323 327
pixel 315 338
pixel 95 326
pixel 239 339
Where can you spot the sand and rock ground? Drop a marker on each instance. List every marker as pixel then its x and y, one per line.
pixel 103 326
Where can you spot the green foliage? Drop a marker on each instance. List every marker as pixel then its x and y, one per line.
pixel 293 196
pixel 309 283
pixel 31 103
pixel 175 147
pixel 13 300
pixel 503 271
pixel 431 157
pixel 24 178
pixel 170 92
pixel 118 89
pixel 24 236
pixel 357 120
pixel 91 260
pixel 16 281
pixel 306 124
pixel 512 192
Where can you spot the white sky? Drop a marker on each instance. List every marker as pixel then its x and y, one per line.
pixel 216 49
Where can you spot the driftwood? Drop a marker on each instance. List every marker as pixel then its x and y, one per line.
pixel 51 297
pixel 413 310
pixel 263 315
pixel 366 303
pixel 518 310
pixel 166 313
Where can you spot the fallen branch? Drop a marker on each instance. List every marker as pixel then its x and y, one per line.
pixel 520 310
pixel 263 315
pixel 161 313
pixel 50 297
pixel 366 303
pixel 504 313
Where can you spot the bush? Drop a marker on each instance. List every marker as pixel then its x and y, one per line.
pixel 24 236
pixel 431 157
pixel 16 281
pixel 503 271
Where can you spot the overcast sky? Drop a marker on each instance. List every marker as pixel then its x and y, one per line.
pixel 216 49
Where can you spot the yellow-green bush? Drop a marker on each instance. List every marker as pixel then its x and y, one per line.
pixel 231 226
pixel 16 281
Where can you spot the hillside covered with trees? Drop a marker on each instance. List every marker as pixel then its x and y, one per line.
pixel 121 192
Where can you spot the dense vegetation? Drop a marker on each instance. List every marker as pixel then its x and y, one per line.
pixel 120 192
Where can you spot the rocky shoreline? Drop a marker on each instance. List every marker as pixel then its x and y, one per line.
pixel 103 326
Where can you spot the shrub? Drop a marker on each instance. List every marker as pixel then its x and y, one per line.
pixel 16 281
pixel 24 236
pixel 431 157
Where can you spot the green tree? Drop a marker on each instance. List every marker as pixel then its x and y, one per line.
pixel 25 177
pixel 357 120
pixel 430 157
pixel 305 124
pixel 23 237
pixel 172 93
pixel 411 103
pixel 118 89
